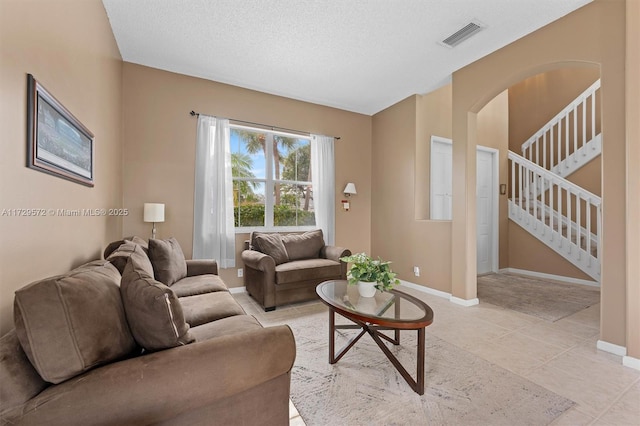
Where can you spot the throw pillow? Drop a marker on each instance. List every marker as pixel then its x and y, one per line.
pixel 271 245
pixel 134 239
pixel 167 258
pixel 153 310
pixel 71 323
pixel 120 256
pixel 139 241
pixel 303 246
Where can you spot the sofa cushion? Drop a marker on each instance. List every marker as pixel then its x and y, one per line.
pixel 198 284
pixel 308 269
pixel 153 311
pixel 225 326
pixel 271 245
pixel 209 307
pixel 20 381
pixel 71 323
pixel 303 246
pixel 167 258
pixel 120 256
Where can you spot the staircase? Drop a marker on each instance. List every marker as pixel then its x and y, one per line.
pixel 561 214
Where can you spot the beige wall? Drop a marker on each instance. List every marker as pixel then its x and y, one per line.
pixel 633 178
pixel 68 46
pixel 159 150
pixel 601 26
pixel 401 135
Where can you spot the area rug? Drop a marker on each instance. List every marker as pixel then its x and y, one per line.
pixel 543 299
pixel 363 388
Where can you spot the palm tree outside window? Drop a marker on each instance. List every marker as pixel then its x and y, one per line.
pixel 272 180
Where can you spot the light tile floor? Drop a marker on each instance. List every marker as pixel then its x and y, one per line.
pixel 560 356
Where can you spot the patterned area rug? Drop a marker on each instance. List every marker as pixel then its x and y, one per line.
pixel 363 388
pixel 543 299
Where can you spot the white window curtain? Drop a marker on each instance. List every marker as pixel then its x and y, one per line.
pixel 324 189
pixel 213 229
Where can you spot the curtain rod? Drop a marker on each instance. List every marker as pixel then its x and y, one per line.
pixel 195 114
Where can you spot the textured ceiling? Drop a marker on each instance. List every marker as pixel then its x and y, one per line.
pixel 357 55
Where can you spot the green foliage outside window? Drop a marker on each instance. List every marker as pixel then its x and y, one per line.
pixel 253 215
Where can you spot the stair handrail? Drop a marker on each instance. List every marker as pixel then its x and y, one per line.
pixel 558 180
pixel 590 91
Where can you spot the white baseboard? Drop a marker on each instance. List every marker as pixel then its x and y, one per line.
pixel 424 289
pixel 611 348
pixel 234 290
pixel 560 278
pixel 443 294
pixel 631 362
pixel 464 302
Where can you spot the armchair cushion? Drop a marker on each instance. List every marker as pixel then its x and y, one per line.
pixel 308 269
pixel 271 245
pixel 71 323
pixel 167 258
pixel 303 246
pixel 153 311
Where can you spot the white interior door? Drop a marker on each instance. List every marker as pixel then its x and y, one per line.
pixel 486 210
pixel 486 197
pixel 441 178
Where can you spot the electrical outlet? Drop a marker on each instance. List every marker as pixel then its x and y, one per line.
pixel 416 271
pixel 240 270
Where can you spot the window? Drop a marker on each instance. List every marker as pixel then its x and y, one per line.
pixel 271 179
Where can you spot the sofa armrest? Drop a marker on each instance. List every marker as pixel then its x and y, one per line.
pixel 258 261
pixel 162 385
pixel 334 252
pixel 201 267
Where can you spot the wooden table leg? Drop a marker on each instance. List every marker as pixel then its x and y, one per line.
pixel 397 312
pixel 420 369
pixel 332 336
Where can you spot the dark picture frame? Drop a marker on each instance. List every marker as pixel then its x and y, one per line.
pixel 57 142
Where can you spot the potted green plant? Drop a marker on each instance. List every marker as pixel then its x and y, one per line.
pixel 370 274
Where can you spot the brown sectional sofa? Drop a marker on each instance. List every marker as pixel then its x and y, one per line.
pixel 109 344
pixel 286 268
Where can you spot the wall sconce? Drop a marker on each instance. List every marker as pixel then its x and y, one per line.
pixel 349 190
pixel 153 212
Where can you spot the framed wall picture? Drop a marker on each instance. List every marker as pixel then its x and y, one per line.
pixel 57 143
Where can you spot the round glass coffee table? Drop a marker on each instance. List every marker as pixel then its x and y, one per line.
pixel 387 310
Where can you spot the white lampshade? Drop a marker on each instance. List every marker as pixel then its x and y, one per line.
pixel 350 188
pixel 153 212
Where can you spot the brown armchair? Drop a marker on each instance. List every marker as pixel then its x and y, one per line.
pixel 286 268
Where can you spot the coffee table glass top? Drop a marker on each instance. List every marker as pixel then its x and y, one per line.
pixel 386 305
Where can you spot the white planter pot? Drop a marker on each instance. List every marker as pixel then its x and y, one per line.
pixel 366 289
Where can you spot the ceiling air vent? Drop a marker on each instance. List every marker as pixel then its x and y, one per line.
pixel 462 34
